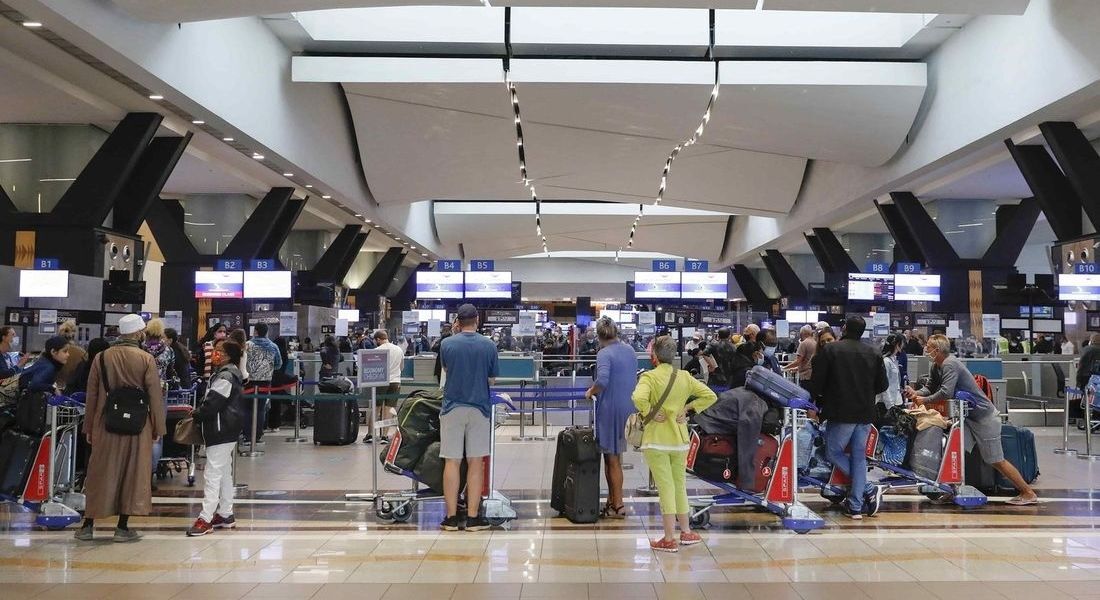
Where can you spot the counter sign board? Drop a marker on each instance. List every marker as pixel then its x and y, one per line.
pixel 373 368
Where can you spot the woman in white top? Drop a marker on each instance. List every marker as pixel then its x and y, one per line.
pixel 892 395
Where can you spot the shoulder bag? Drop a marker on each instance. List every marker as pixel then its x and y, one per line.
pixel 635 424
pixel 126 409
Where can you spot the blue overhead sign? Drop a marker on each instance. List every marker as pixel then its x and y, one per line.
pixel 664 265
pixel 908 268
pixel 229 264
pixel 696 266
pixel 877 267
pixel 481 265
pixel 263 264
pixel 47 264
pixel 448 265
pixel 1086 268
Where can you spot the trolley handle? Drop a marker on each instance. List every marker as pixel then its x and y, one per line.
pixel 502 398
pixel 76 400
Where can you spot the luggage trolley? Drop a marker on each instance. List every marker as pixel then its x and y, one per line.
pixel 398 506
pixel 780 495
pixel 51 486
pixel 180 401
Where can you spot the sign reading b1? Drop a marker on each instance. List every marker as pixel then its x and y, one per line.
pixel 1086 268
pixel 664 265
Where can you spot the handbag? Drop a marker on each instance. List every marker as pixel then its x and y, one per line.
pixel 635 424
pixel 126 410
pixel 187 432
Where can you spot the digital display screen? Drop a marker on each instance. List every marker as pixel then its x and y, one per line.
pixel 219 284
pixel 437 285
pixel 267 284
pixel 802 316
pixel 868 287
pixel 43 284
pixel 489 284
pixel 350 315
pixel 1077 287
pixel 656 285
pixel 702 286
pixel 917 288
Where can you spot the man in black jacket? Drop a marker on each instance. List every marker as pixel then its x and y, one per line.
pixel 848 375
pixel 1090 361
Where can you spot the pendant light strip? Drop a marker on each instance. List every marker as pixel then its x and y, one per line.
pixel 695 137
pixel 523 162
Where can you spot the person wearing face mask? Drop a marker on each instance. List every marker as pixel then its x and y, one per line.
pixel 11 364
pixel 771 344
pixel 218 333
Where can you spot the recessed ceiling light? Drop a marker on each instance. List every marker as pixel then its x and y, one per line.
pixel 198 122
pixel 228 139
pixel 309 185
pixel 257 156
pixel 413 247
pixel 358 215
pixel 327 197
pixel 156 97
pixel 288 174
pixel 397 239
pixel 367 220
pixel 32 24
pixel 424 255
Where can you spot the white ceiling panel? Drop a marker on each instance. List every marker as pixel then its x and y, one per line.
pixel 845 112
pixel 359 69
pixel 29 94
pixel 588 31
pixel 400 29
pixel 998 181
pixel 958 7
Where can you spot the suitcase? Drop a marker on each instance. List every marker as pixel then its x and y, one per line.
pixel 763 462
pixel 980 475
pixel 429 471
pixel 17 453
pixel 716 458
pixel 581 492
pixel 336 422
pixel 171 448
pixel 774 387
pixel 30 413
pixel 1019 449
pixel 927 452
pixel 574 445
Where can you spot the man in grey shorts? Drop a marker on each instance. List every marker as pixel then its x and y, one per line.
pixel 470 360
pixel 983 423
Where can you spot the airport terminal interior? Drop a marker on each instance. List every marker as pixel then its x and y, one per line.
pixel 723 186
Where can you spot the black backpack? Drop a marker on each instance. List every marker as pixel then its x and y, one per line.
pixel 126 409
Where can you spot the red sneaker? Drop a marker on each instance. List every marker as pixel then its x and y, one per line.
pixel 690 538
pixel 201 527
pixel 663 545
pixel 221 522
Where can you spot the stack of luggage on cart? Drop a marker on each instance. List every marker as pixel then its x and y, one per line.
pixel 22 428
pixel 414 449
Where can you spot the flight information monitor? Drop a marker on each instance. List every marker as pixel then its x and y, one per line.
pixel 657 285
pixel 1084 288
pixel 219 284
pixel 871 287
pixel 917 288
pixel 702 286
pixel 267 284
pixel 43 284
pixel 438 285
pixel 489 284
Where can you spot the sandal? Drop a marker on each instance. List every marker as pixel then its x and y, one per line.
pixel 610 512
pixel 1019 501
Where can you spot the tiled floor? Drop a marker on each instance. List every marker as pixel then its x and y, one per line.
pixel 298 538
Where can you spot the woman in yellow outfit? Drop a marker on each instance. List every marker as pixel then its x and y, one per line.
pixel 665 439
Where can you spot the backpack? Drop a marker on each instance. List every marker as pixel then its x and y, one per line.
pixel 984 386
pixel 126 410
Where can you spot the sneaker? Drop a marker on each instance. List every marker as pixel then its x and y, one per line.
pixel 383 440
pixel 84 534
pixel 368 439
pixel 453 523
pixel 123 536
pixel 221 522
pixel 663 545
pixel 477 524
pixel 873 502
pixel 851 514
pixel 201 527
pixel 690 538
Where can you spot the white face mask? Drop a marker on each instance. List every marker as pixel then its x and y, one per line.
pixel 15 341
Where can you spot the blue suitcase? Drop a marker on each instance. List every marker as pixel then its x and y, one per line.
pixel 775 388
pixel 1019 449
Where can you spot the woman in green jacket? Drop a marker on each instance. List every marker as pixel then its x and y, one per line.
pixel 665 439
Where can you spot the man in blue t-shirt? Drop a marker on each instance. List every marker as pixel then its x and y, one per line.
pixel 470 360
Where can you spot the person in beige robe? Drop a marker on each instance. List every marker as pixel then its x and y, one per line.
pixel 119 481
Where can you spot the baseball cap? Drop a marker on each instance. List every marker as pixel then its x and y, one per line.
pixel 130 324
pixel 467 311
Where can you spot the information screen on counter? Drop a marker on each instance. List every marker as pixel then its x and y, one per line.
pixel 702 286
pixel 656 285
pixel 267 284
pixel 1083 288
pixel 43 284
pixel 488 284
pixel 868 287
pixel 438 285
pixel 920 288
pixel 219 284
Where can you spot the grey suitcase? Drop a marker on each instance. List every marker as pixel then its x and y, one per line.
pixel 927 453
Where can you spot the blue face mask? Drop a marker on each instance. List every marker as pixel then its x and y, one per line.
pixel 769 351
pixel 759 361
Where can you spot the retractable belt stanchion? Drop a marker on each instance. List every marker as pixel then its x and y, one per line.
pixel 252 451
pixel 1072 394
pixel 375 493
pixel 297 437
pixel 1088 455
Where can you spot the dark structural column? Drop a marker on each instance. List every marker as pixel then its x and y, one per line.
pixel 1053 192
pixel 144 186
pixel 281 229
pixel 1080 163
pixel 933 244
pixel 329 263
pixel 259 225
pixel 749 286
pixel 1012 233
pixel 790 286
pixel 905 244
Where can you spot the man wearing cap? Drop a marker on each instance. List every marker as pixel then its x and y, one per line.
pixel 470 360
pixel 118 480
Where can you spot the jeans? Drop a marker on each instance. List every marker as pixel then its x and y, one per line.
pixel 838 438
pixel 218 482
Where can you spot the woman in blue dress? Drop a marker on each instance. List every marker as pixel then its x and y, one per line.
pixel 616 376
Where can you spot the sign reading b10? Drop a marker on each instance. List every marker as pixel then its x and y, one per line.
pixel 1086 268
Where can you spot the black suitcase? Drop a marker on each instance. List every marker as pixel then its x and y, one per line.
pixel 17 452
pixel 336 422
pixel 980 475
pixel 171 448
pixel 581 492
pixel 30 413
pixel 575 445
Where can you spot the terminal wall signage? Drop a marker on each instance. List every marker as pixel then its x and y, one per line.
pixel 715 317
pixel 681 317
pixel 502 317
pixel 931 320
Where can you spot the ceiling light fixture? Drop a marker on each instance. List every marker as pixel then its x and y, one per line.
pixel 424 255
pixel 672 157
pixel 48 179
pixel 32 24
pixel 367 220
pixel 228 139
pixel 523 161
pixel 14 160
pixel 326 197
pixel 358 215
pixel 198 122
pixel 288 174
pixel 971 225
pixel 309 185
pixel 156 97
pixel 257 156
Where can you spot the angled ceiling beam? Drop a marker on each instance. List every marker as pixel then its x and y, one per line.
pixel 1053 192
pixel 1010 240
pixel 246 244
pixel 839 258
pixel 749 286
pixel 7 207
pixel 144 186
pixel 350 256
pixel 933 244
pixel 281 228
pixel 96 189
pixel 819 253
pixel 381 277
pixel 169 234
pixel 327 266
pixel 1079 161
pixel 790 286
pixel 404 297
pixel 905 245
